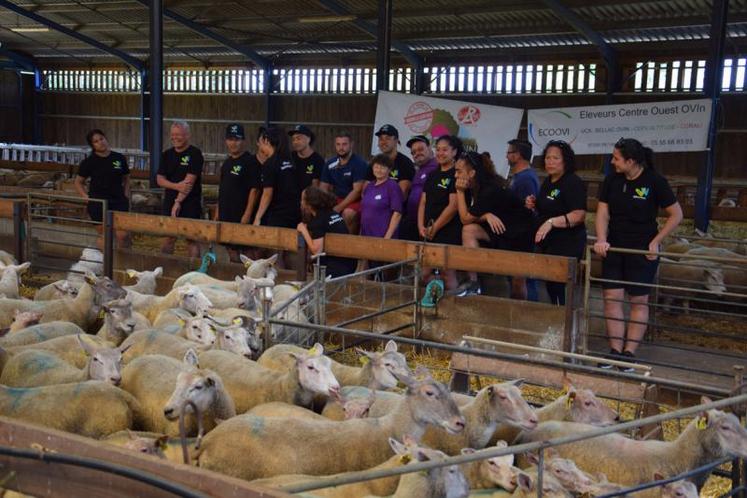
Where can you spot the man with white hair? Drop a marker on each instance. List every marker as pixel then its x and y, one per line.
pixel 180 175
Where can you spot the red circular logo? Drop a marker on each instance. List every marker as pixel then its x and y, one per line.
pixel 419 117
pixel 468 115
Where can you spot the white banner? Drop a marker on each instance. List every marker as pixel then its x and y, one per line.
pixel 483 128
pixel 678 126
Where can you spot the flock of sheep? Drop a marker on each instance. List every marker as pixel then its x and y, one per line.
pixel 127 364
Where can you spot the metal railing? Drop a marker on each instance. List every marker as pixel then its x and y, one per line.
pixel 696 309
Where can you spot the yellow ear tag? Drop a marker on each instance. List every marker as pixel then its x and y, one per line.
pixel 313 350
pixel 182 322
pixel 569 400
pixel 404 459
pixel 102 313
pixel 701 423
pixel 237 321
pixel 247 264
pixel 364 360
pixel 131 273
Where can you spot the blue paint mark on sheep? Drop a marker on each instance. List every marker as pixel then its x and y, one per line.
pixel 41 362
pixel 152 335
pixel 257 425
pixel 14 395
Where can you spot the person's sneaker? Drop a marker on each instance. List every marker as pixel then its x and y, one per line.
pixel 472 288
pixel 612 355
pixel 628 357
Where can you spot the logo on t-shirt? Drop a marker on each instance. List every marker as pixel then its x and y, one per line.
pixel 641 193
pixel 285 166
pixel 236 169
pixel 185 160
pixel 309 169
pixel 335 218
pixel 444 183
pixel 117 164
pixel 554 193
pixel 377 197
pixel 394 174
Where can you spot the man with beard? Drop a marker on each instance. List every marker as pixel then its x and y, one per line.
pixel 402 170
pixel 307 162
pixel 422 155
pixel 344 175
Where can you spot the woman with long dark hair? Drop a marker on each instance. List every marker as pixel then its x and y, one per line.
pixel 629 203
pixel 437 213
pixel 319 219
pixel 561 209
pixel 490 213
pixel 110 181
pixel 279 203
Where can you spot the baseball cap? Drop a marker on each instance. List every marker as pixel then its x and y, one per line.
pixel 387 129
pixel 303 130
pixel 235 130
pixel 419 138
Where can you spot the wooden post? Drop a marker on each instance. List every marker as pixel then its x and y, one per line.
pixel 301 258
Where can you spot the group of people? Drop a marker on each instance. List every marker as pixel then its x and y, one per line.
pixel 444 194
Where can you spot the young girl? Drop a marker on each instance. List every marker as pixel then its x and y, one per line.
pixel 381 206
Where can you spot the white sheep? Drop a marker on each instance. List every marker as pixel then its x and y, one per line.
pixel 91 261
pixel 60 289
pixel 39 333
pixel 294 312
pixel 244 297
pixel 66 347
pixel 200 328
pixel 678 489
pixel 11 279
pixel 7 259
pixel 146 280
pixel 189 298
pixel 24 319
pixel 158 384
pixel 153 341
pixel 490 472
pixel 93 408
pixel 32 368
pixel 251 384
pixel 261 268
pixel 695 274
pixel 75 311
pixel 712 435
pixel 165 446
pixel 379 371
pixel 119 322
pixel 238 446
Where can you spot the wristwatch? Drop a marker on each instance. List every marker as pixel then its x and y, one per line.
pixel 549 220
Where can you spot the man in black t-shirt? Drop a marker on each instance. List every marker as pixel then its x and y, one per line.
pixel 307 162
pixel 180 175
pixel 403 170
pixel 240 184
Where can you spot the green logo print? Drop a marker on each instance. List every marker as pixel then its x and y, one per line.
pixel 444 183
pixel 185 160
pixel 641 193
pixel 117 164
pixel 236 169
pixel 554 193
pixel 394 174
pixel 309 168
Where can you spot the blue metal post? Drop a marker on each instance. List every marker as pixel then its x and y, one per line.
pixel 144 109
pixel 269 88
pixel 712 89
pixel 156 88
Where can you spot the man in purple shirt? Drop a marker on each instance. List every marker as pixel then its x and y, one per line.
pixel 422 156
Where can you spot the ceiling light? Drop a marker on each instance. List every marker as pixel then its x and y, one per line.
pixel 29 30
pixel 316 19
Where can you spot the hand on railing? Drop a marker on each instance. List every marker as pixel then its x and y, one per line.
pixel 601 247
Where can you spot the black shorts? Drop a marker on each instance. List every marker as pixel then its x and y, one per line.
pixel 450 234
pixel 519 242
pixel 629 268
pixel 408 230
pixel 279 220
pixel 193 210
pixel 95 208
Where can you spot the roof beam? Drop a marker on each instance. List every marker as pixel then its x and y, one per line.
pixel 249 53
pixel 134 62
pixel 609 54
pixel 24 62
pixel 339 9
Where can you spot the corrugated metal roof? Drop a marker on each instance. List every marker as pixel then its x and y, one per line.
pixel 434 26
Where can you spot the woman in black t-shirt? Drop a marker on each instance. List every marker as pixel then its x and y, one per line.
pixel 320 219
pixel 561 210
pixel 279 203
pixel 629 202
pixel 490 213
pixel 110 180
pixel 437 213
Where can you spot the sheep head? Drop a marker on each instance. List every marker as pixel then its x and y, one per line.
pixel 431 402
pixel 586 408
pixel 498 470
pixel 118 316
pixel 199 329
pixel 315 371
pixel 104 364
pixel 507 405
pixel 722 432
pixel 260 268
pixel 386 366
pixel 192 299
pixel 239 337
pixel 448 480
pixel 201 387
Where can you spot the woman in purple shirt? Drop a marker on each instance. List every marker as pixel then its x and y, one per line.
pixel 381 205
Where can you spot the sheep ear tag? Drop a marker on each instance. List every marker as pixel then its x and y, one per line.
pixel 247 264
pixel 404 459
pixel 182 322
pixel 102 313
pixel 364 360
pixel 131 273
pixel 701 423
pixel 314 350
pixel 569 400
pixel 237 321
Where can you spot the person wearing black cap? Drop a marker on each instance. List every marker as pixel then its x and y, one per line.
pixel 180 176
pixel 422 156
pixel 403 171
pixel 308 163
pixel 240 184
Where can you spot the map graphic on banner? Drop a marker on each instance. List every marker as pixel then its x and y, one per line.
pixel 483 128
pixel 676 126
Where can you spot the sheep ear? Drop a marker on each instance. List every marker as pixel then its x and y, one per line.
pixel 190 358
pixel 123 350
pixel 131 273
pixel 90 351
pixel 501 444
pixel 517 382
pixel 397 447
pixel 315 351
pixel 210 381
pixel 23 267
pixel 158 271
pixel 532 457
pixel 130 434
pixel 247 262
pixel 524 481
pixel 391 347
pixel 272 259
pixel 90 278
pixel 162 442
